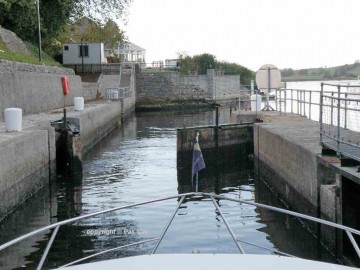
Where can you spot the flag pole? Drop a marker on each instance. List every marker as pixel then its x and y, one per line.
pixel 197 182
pixel 197 173
pixel 197 164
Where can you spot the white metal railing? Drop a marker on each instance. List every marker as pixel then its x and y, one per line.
pixel 115 93
pixel 181 197
pixel 338 112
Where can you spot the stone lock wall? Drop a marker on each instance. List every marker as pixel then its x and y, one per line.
pixel 35 88
pixel 172 85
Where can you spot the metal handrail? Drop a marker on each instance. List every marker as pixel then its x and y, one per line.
pixel 109 250
pixel 72 220
pixel 317 91
pixel 168 225
pixel 48 246
pixel 342 85
pixel 288 212
pixel 304 100
pixel 227 225
pixel 122 92
pixel 349 231
pixel 337 97
pixel 340 98
pixel 220 126
pixel 269 249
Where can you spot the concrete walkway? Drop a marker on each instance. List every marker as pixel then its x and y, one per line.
pixel 294 128
pixel 27 157
pixel 288 151
pixel 37 120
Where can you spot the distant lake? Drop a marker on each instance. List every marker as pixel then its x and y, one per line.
pixel 315 86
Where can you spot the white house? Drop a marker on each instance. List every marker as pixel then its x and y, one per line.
pixel 172 63
pixel 131 52
pixel 90 53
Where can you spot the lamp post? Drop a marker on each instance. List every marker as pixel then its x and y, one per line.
pixel 82 55
pixel 120 66
pixel 39 28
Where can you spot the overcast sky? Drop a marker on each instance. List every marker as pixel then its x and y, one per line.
pixel 287 33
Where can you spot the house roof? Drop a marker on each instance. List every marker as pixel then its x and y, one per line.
pixel 129 46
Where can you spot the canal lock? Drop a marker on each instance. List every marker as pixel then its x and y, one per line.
pixel 68 145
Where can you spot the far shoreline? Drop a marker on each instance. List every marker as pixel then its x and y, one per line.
pixel 304 79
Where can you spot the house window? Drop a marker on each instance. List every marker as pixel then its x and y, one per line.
pixel 85 49
pixel 66 48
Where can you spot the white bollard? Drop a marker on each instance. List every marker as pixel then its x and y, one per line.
pixel 13 119
pixel 255 102
pixel 78 103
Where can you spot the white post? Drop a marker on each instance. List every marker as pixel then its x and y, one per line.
pixel 13 119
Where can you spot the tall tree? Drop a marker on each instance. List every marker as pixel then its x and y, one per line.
pixel 198 63
pixel 246 75
pixel 201 63
pixel 54 15
pixel 112 34
pixel 92 31
pixel 20 16
pixel 102 9
pixel 186 64
pixel 204 62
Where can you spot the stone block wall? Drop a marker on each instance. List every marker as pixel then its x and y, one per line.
pixel 171 85
pixel 90 91
pixel 226 85
pixel 35 88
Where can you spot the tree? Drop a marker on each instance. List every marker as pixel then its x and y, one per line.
pixel 287 72
pixel 198 63
pixel 20 16
pixel 201 63
pixel 186 64
pixel 91 31
pixel 246 75
pixel 54 15
pixel 101 9
pixel 204 62
pixel 112 34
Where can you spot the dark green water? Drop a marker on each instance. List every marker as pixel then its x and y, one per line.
pixel 137 163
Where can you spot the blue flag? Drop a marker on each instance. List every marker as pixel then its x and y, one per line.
pixel 198 161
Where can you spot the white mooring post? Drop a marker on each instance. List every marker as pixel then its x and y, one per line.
pixel 78 103
pixel 13 119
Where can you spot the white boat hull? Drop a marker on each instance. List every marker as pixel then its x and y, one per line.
pixel 209 262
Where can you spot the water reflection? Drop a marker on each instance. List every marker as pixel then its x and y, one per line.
pixel 134 164
pixel 281 228
pixel 59 200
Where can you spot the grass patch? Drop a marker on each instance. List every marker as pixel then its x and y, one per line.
pixel 6 54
